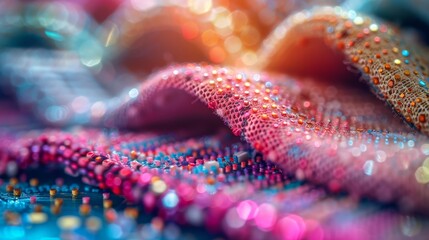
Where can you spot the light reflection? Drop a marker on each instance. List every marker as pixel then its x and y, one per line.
pixel 291 227
pixel 425 148
pixel 133 93
pixel 143 5
pixel 368 167
pixel 247 209
pixel 410 226
pixel 54 35
pixel 98 109
pixel 56 113
pixel 80 104
pixel 200 6
pixel 69 222
pixel 422 175
pixel 233 44
pixel 233 220
pixel 266 217
pixel 170 200
pixel 158 186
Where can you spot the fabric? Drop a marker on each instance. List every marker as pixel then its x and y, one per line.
pixel 290 149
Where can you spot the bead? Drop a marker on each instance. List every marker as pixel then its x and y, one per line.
pixel 241 156
pixel 110 215
pixel 58 202
pixel 366 69
pixel 53 192
pixel 85 209
pixel 37 208
pixel 9 188
pixel 131 212
pixel 75 192
pixel 387 66
pixel 55 209
pixel 377 39
pixel 106 195
pixel 13 181
pixel 274 115
pixel 86 200
pixel 397 77
pixel 17 192
pixel 34 182
pixel 211 165
pixel 264 116
pixel 107 203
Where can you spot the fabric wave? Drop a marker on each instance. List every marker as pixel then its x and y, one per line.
pixel 325 132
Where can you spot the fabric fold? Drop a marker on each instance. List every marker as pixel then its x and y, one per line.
pixel 328 133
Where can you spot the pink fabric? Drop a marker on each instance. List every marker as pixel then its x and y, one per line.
pixel 327 133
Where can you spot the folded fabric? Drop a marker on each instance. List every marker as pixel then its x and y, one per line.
pixel 324 129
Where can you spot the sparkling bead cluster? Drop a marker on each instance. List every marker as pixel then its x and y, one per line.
pixel 196 182
pixel 287 122
pixel 389 64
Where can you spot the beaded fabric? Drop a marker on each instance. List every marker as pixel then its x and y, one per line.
pixel 339 137
pixel 391 66
pixel 177 177
pixel 309 135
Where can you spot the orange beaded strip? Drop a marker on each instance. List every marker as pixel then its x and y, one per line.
pixel 391 66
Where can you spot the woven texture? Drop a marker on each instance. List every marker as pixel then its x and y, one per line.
pixel 331 135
